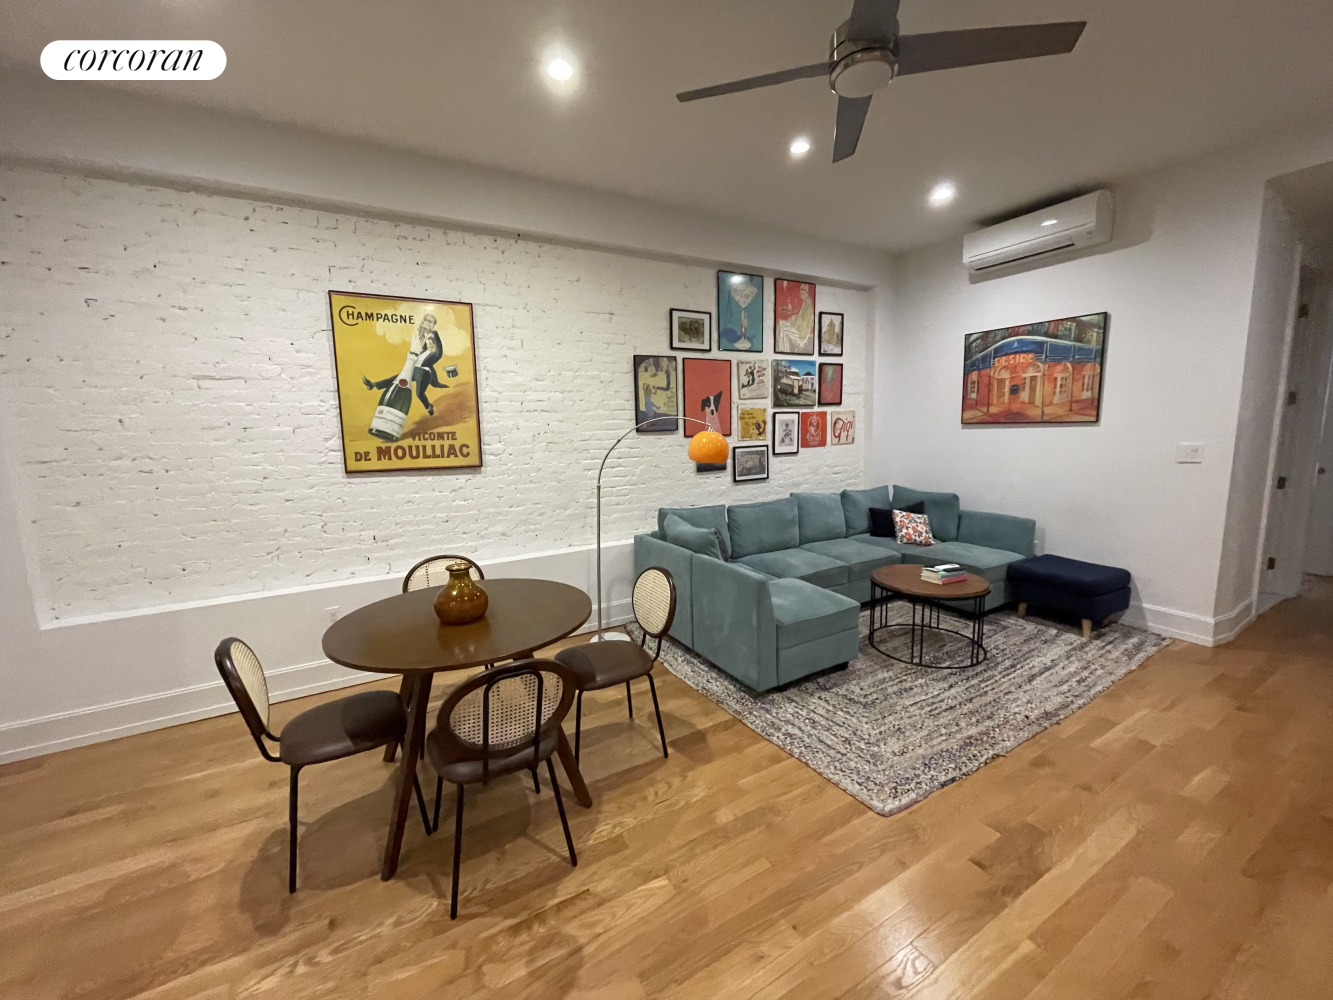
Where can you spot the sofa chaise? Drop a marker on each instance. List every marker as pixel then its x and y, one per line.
pixel 771 592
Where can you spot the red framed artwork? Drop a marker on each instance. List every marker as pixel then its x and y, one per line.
pixel 705 391
pixel 830 385
pixel 814 429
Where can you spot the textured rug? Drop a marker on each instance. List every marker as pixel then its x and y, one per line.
pixel 890 734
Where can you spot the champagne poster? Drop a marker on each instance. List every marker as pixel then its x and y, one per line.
pixel 407 383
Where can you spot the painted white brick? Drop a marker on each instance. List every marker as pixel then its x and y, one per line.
pixel 171 409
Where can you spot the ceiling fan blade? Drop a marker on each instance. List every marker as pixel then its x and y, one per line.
pixel 873 20
pixel 976 46
pixel 755 82
pixel 847 133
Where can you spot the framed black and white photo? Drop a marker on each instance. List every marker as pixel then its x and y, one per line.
pixel 691 330
pixel 786 432
pixel 830 335
pixel 749 463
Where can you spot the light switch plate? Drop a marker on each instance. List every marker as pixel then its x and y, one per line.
pixel 1189 452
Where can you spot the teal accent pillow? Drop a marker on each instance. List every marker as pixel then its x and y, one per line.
pixel 763 527
pixel 714 518
pixel 856 506
pixel 820 517
pixel 687 536
pixel 941 508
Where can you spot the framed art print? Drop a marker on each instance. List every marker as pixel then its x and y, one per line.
pixel 749 463
pixel 814 429
pixel 793 316
pixel 1039 373
pixel 656 399
pixel 691 330
pixel 842 427
pixel 794 383
pixel 830 385
pixel 407 383
pixel 752 379
pixel 753 423
pixel 740 312
pixel 830 335
pixel 705 389
pixel 786 433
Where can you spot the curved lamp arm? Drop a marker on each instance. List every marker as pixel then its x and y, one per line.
pixel 600 468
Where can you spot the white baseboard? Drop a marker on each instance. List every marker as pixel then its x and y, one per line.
pixel 1201 629
pixel 66 730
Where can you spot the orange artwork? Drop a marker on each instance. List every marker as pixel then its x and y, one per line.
pixel 814 429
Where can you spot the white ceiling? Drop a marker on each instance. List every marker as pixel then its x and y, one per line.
pixel 1151 82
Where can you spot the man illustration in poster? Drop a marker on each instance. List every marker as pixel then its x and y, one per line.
pixel 429 350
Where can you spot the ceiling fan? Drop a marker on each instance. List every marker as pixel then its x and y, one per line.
pixel 867 52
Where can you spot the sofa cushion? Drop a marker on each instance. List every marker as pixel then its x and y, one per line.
pixel 1072 575
pixel 700 517
pixel 705 541
pixel 763 527
pixel 820 516
pixel 942 509
pixel 860 559
pixel 992 564
pixel 798 564
pixel 997 531
pixel 856 506
pixel 805 614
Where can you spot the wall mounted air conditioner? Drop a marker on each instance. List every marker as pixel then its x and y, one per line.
pixel 1083 222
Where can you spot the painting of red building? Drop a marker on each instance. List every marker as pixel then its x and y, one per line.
pixel 1039 373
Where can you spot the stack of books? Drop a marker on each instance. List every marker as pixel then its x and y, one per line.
pixel 944 573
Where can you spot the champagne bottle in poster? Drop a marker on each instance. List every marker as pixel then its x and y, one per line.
pixel 395 401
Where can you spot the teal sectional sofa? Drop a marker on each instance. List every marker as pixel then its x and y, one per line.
pixel 770 592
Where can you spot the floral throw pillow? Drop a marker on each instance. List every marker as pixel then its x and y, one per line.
pixel 912 529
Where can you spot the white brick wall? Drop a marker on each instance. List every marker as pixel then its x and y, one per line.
pixel 171 413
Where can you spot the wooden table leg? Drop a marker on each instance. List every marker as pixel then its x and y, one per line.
pixel 404 692
pixel 572 770
pixel 416 738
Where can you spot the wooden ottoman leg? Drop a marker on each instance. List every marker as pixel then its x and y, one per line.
pixel 1022 609
pixel 1087 628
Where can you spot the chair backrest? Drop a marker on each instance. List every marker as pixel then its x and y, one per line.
pixel 504 709
pixel 244 677
pixel 433 572
pixel 654 601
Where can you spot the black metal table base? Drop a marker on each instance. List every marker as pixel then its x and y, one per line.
pixel 926 618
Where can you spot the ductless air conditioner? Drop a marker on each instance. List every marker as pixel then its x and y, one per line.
pixel 1083 222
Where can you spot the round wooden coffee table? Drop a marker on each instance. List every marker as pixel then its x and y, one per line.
pixel 927 600
pixel 401 635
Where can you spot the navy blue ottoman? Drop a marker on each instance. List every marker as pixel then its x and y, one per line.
pixel 1082 589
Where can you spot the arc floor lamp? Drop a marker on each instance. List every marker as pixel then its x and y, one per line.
pixel 707 447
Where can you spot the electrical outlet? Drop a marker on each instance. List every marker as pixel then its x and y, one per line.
pixel 331 614
pixel 1189 452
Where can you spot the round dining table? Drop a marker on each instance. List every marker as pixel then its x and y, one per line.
pixel 401 635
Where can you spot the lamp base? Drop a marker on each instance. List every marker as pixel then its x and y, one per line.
pixel 611 637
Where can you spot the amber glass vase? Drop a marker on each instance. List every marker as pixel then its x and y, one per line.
pixel 460 600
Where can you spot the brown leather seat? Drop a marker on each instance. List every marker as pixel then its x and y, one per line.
pixel 342 728
pixel 459 770
pixel 600 665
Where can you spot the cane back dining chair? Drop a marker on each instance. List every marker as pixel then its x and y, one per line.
pixel 430 572
pixel 499 722
pixel 598 665
pixel 330 731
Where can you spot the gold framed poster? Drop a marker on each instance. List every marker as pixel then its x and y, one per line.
pixel 407 383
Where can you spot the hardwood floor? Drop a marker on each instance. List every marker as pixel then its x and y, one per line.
pixel 1174 839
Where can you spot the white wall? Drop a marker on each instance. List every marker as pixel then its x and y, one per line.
pixel 1177 280
pixel 1317 556
pixel 170 470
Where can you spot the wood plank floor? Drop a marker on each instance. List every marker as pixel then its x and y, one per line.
pixel 1172 840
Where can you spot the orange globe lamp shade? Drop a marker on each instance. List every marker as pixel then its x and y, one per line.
pixel 708 448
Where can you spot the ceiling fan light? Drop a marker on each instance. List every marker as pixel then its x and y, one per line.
pixel 862 73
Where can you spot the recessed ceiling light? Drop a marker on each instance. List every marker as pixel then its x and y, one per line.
pixel 560 69
pixel 800 146
pixel 1051 222
pixel 942 194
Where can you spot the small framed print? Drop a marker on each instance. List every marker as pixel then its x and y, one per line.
pixel 814 428
pixel 656 402
pixel 786 433
pixel 830 385
pixel 749 463
pixel 753 423
pixel 691 330
pixel 752 379
pixel 830 335
pixel 842 427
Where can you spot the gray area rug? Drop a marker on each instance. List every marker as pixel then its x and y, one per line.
pixel 890 734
